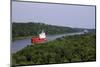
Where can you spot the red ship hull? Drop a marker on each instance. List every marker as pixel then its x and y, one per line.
pixel 38 40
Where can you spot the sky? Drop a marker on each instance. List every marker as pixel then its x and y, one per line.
pixel 55 14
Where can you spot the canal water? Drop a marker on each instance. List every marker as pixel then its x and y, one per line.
pixel 20 44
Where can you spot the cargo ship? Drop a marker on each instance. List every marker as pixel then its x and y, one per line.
pixel 40 39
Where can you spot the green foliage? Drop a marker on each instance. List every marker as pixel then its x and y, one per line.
pixel 77 48
pixel 28 29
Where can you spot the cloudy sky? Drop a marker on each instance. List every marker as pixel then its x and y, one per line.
pixel 54 14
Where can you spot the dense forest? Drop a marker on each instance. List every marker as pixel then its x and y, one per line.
pixel 31 28
pixel 77 48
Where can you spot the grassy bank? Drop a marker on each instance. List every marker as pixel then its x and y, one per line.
pixel 68 49
pixel 20 38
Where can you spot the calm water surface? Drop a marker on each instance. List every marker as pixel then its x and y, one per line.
pixel 20 44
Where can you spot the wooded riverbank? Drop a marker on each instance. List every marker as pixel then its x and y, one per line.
pixel 77 48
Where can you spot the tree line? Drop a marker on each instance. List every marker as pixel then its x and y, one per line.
pixel 31 28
